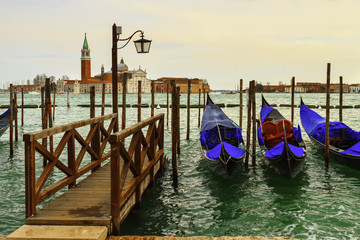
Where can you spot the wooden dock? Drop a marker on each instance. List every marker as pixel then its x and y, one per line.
pixel 107 195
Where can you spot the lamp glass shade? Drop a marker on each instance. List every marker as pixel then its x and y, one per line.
pixel 142 45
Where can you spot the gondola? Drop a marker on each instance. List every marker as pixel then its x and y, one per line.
pixel 344 143
pixel 221 141
pixel 283 143
pixel 4 121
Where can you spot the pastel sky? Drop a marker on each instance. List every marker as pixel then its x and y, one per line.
pixel 218 40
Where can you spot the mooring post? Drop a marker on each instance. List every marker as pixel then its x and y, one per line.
pixel 54 92
pixel 48 111
pixel 174 118
pixel 327 115
pixel 152 98
pixel 95 140
pixel 248 125
pixel 167 104
pixel 199 107
pixel 241 104
pixel 341 99
pixel 292 99
pixel 204 99
pixel 11 120
pixel 188 111
pixel 43 121
pixel 92 102
pixel 123 123
pixel 178 118
pixel 16 116
pixel 103 101
pixel 68 98
pixel 139 101
pixel 22 106
pixel 253 108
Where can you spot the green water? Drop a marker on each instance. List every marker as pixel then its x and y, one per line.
pixel 317 204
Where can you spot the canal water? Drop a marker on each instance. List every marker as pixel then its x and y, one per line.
pixel 318 204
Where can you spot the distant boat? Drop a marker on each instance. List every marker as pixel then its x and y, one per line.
pixel 33 92
pixel 158 106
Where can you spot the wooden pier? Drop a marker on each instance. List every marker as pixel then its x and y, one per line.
pixel 109 192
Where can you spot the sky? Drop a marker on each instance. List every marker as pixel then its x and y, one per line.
pixel 222 41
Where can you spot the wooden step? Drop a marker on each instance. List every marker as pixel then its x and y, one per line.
pixel 59 232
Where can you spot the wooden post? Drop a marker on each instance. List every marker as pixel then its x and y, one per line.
pixel 11 120
pixel 139 101
pixel 292 99
pixel 188 111
pixel 30 203
pixel 152 98
pixel 95 140
pixel 123 124
pixel 68 98
pixel 92 102
pixel 248 125
pixel 241 103
pixel 204 99
pixel 341 99
pixel 53 115
pixel 178 118
pixel 167 104
pixel 44 120
pixel 174 118
pixel 199 107
pixel 115 194
pixel 115 85
pixel 48 111
pixel 327 115
pixel 103 100
pixel 72 157
pixel 22 106
pixel 16 116
pixel 253 108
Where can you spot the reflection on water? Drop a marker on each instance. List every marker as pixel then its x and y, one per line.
pixel 318 204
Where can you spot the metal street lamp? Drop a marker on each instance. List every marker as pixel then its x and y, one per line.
pixel 142 45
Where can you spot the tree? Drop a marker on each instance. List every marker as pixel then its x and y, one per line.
pixel 259 87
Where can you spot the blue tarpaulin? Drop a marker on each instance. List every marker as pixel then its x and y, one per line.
pixel 354 150
pixel 233 151
pixel 265 112
pixel 297 151
pixel 213 116
pixel 275 151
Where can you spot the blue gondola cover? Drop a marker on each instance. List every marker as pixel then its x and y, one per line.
pixel 297 151
pixel 233 151
pixel 354 150
pixel 275 151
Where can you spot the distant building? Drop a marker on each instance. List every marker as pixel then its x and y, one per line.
pixel 83 86
pixel 163 84
pixel 354 88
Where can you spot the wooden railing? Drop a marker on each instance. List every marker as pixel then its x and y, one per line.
pixel 133 169
pixel 92 144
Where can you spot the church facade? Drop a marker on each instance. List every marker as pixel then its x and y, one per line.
pixel 104 79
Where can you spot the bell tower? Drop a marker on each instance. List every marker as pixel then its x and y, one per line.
pixel 85 61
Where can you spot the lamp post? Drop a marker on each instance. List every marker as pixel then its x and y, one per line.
pixel 142 46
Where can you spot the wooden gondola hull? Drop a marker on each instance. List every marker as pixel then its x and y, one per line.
pixel 2 130
pixel 223 170
pixel 348 160
pixel 313 124
pixel 275 128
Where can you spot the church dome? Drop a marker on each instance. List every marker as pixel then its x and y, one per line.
pixel 122 67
